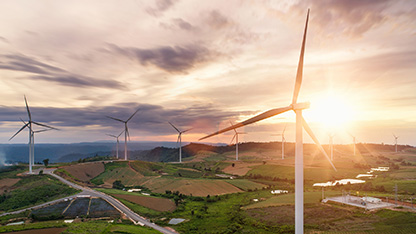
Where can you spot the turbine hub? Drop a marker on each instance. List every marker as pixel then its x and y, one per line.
pixel 301 106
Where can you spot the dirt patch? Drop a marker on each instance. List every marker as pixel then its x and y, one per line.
pixel 240 168
pixel 40 231
pixel 86 171
pixel 6 184
pixel 154 203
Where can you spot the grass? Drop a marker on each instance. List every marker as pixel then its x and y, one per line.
pixel 130 229
pixel 289 199
pixel 12 171
pixel 118 171
pixel 40 225
pixel 33 190
pixel 246 184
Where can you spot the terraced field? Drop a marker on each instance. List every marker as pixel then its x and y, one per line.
pixel 118 171
pixel 196 187
pixel 85 171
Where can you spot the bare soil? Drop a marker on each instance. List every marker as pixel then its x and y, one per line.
pixel 240 168
pixel 85 171
pixel 6 184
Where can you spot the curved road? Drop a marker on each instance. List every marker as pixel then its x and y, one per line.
pixel 137 219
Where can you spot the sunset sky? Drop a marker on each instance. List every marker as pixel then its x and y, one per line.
pixel 202 64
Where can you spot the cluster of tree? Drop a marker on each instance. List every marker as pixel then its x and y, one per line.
pixel 118 185
pixel 269 178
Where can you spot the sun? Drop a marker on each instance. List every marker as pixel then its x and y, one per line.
pixel 331 110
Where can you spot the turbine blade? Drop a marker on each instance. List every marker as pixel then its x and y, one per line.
pixel 132 115
pixel 300 65
pixel 234 128
pixel 309 131
pixel 43 130
pixel 187 130
pixel 179 136
pixel 257 118
pixel 120 133
pixel 128 134
pixel 22 120
pixel 284 129
pixel 27 108
pixel 44 125
pixel 111 135
pixel 19 131
pixel 115 119
pixel 231 142
pixel 174 127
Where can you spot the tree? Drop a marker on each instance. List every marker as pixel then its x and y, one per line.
pixel 46 162
pixel 118 185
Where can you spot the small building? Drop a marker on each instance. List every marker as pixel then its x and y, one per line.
pixel 279 191
pixel 134 190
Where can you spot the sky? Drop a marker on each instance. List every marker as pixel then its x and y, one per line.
pixel 204 64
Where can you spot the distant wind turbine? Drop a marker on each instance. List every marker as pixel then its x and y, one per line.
pixel 331 145
pixel 353 140
pixel 32 132
pixel 126 130
pixel 395 141
pixel 297 108
pixel 179 139
pixel 117 141
pixel 236 141
pixel 283 141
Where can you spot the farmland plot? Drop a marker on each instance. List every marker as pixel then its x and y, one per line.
pixel 154 203
pixel 85 171
pixel 77 208
pixel 100 208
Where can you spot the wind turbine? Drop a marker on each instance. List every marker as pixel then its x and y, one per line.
pixel 395 141
pixel 297 108
pixel 126 130
pixel 179 140
pixel 283 141
pixel 331 145
pixel 353 140
pixel 117 141
pixel 31 143
pixel 236 141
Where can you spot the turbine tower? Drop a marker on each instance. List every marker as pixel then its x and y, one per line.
pixel 353 140
pixel 331 145
pixel 179 139
pixel 297 108
pixel 283 141
pixel 117 141
pixel 395 142
pixel 236 141
pixel 32 132
pixel 126 130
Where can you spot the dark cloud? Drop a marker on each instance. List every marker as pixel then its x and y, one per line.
pixel 168 58
pixel 46 72
pixel 151 118
pixel 352 17
pixel 160 7
pixel 80 81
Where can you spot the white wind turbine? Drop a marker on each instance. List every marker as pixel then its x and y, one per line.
pixel 331 145
pixel 126 130
pixel 236 141
pixel 283 141
pixel 354 142
pixel 395 141
pixel 117 141
pixel 297 108
pixel 32 132
pixel 179 139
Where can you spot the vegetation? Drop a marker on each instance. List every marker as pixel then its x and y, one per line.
pixel 32 190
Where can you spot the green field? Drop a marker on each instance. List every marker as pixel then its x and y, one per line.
pixel 118 171
pixel 32 190
pixel 289 199
pixel 246 184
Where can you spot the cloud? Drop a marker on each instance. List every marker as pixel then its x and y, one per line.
pixel 150 118
pixel 217 20
pixel 351 17
pixel 171 59
pixel 3 39
pixel 179 23
pixel 46 72
pixel 160 7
